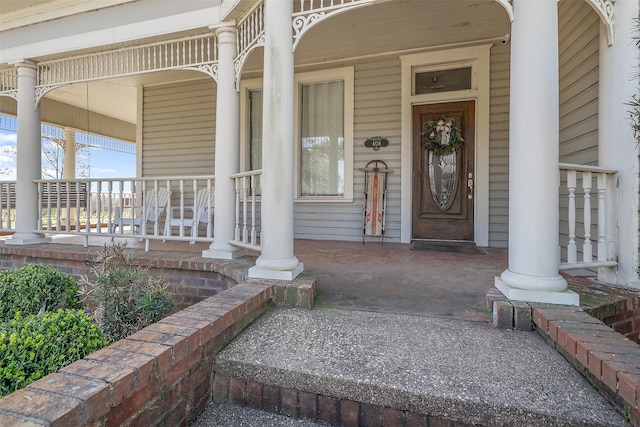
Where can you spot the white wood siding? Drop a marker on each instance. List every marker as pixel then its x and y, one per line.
pixel 499 148
pixel 377 113
pixel 179 128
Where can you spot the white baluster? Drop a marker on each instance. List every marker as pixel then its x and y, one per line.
pixel 245 194
pixel 602 241
pixel 237 230
pixel 587 247
pixel 572 251
pixel 253 209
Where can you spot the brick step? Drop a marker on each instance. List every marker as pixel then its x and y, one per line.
pixel 354 368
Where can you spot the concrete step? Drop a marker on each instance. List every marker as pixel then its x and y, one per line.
pixel 227 415
pixel 348 367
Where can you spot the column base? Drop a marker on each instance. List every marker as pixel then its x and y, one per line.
pixel 223 254
pixel 256 272
pixel 566 297
pixel 20 239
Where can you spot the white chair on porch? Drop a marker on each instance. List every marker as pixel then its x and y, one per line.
pixel 199 215
pixel 154 203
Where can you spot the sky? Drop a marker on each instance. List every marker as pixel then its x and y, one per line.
pixel 103 163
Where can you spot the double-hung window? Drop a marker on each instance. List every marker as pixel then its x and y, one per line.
pixel 324 134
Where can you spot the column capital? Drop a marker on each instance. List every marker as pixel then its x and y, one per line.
pixel 226 34
pixel 24 63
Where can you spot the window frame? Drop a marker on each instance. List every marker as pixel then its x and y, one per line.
pixel 344 74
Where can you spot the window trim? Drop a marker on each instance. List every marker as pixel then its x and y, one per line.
pixel 344 74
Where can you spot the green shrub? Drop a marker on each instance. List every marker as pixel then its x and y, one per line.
pixel 125 297
pixel 34 346
pixel 25 290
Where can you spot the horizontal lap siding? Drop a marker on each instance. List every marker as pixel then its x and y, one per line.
pixel 377 113
pixel 579 50
pixel 499 148
pixel 179 128
pixel 579 47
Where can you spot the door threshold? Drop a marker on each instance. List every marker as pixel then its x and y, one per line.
pixel 455 246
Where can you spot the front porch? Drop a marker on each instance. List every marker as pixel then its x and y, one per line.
pixel 389 277
pixel 390 281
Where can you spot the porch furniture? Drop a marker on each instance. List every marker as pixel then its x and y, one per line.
pixel 153 207
pixel 200 215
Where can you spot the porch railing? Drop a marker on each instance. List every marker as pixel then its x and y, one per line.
pixel 248 229
pixel 587 228
pixel 161 208
pixel 7 206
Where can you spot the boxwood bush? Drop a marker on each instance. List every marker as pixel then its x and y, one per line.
pixel 34 346
pixel 25 290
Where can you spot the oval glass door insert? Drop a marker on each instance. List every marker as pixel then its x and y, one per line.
pixel 442 178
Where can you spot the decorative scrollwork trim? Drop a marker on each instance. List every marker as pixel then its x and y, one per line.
pixel 241 59
pixel 506 4
pixel 10 93
pixel 604 8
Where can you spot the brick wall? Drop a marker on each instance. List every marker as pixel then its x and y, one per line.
pixel 161 375
pixel 190 277
pixel 622 316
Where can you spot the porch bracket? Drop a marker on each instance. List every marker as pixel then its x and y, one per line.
pixel 240 60
pixel 508 7
pixel 304 20
pixel 250 36
pixel 41 91
pixel 210 69
pixel 10 93
pixel 604 8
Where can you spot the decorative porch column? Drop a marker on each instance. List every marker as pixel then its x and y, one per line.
pixel 277 260
pixel 69 154
pixel 534 175
pixel 227 159
pixel 616 146
pixel 28 158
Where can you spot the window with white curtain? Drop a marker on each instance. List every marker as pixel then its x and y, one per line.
pixel 322 139
pixel 324 133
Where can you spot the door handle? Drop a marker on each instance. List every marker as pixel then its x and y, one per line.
pixel 470 186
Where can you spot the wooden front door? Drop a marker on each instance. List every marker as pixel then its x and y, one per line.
pixel 443 189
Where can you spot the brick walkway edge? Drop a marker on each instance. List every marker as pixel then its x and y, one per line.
pixel 605 357
pixel 159 375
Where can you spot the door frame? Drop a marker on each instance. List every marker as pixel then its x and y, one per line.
pixel 478 57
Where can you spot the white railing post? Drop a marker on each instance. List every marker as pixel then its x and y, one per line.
pixel 587 247
pixel 237 228
pixel 602 242
pixel 245 193
pixel 572 256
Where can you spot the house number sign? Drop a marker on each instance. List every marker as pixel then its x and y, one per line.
pixel 376 142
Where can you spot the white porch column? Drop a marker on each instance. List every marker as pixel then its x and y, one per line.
pixel 533 158
pixel 227 160
pixel 69 157
pixel 28 158
pixel 616 146
pixel 277 260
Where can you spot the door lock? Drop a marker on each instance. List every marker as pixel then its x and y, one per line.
pixel 470 186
